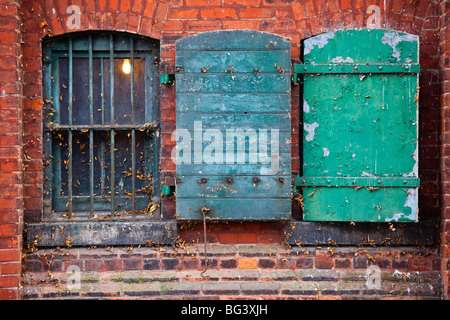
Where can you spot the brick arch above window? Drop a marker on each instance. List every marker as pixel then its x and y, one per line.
pixel 145 18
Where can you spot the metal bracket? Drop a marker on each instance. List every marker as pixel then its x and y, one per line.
pixel 168 190
pixel 167 78
pixel 356 68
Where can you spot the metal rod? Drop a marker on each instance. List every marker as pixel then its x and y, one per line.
pixel 133 132
pixel 132 81
pixel 91 133
pixel 102 141
pixel 69 180
pixel 113 174
pixel 111 77
pixel 133 171
pixel 103 128
pixel 69 169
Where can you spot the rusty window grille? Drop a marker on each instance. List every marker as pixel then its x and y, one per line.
pixel 101 137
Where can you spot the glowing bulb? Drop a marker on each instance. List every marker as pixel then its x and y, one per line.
pixel 126 67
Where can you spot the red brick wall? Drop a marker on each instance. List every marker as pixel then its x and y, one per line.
pixel 445 138
pixel 236 271
pixel 169 21
pixel 10 150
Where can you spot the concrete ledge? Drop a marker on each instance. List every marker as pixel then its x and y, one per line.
pixel 63 234
pixel 424 232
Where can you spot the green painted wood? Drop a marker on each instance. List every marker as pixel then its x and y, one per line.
pixel 237 83
pixel 360 204
pixel 364 46
pixel 360 127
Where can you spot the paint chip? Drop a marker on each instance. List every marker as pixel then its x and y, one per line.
pixel 310 129
pixel 394 38
pixel 320 41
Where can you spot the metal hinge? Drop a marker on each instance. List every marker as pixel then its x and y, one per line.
pixel 356 68
pixel 167 78
pixel 407 182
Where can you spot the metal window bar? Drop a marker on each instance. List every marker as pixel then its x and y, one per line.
pixel 102 142
pixel 70 203
pixel 112 164
pixel 91 132
pixel 133 132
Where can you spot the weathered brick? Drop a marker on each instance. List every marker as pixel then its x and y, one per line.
pixel 218 13
pixel 259 13
pixel 221 288
pixel 260 288
pixel 267 263
pixel 247 263
pixel 228 263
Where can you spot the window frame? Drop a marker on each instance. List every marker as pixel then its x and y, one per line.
pixel 64 46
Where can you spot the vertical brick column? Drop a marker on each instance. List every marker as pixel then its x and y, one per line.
pixel 445 138
pixel 10 150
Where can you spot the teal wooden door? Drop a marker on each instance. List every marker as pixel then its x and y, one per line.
pixel 360 120
pixel 233 149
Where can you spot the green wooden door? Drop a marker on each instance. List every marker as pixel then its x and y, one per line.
pixel 360 120
pixel 233 149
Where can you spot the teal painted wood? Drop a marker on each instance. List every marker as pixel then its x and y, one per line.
pixel 233 186
pixel 361 125
pixel 242 61
pixel 243 121
pixel 232 40
pixel 235 209
pixel 256 170
pixel 234 82
pixel 233 102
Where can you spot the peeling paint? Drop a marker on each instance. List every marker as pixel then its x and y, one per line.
pixel 342 60
pixel 415 170
pixel 393 39
pixel 411 202
pixel 320 40
pixel 310 128
pixel 306 108
pixel 366 174
pixel 326 152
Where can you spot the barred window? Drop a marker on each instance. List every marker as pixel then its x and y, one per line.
pixel 101 136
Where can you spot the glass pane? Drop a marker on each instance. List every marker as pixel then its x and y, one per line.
pixel 101 91
pixel 122 91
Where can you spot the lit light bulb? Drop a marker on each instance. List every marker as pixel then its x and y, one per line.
pixel 126 67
